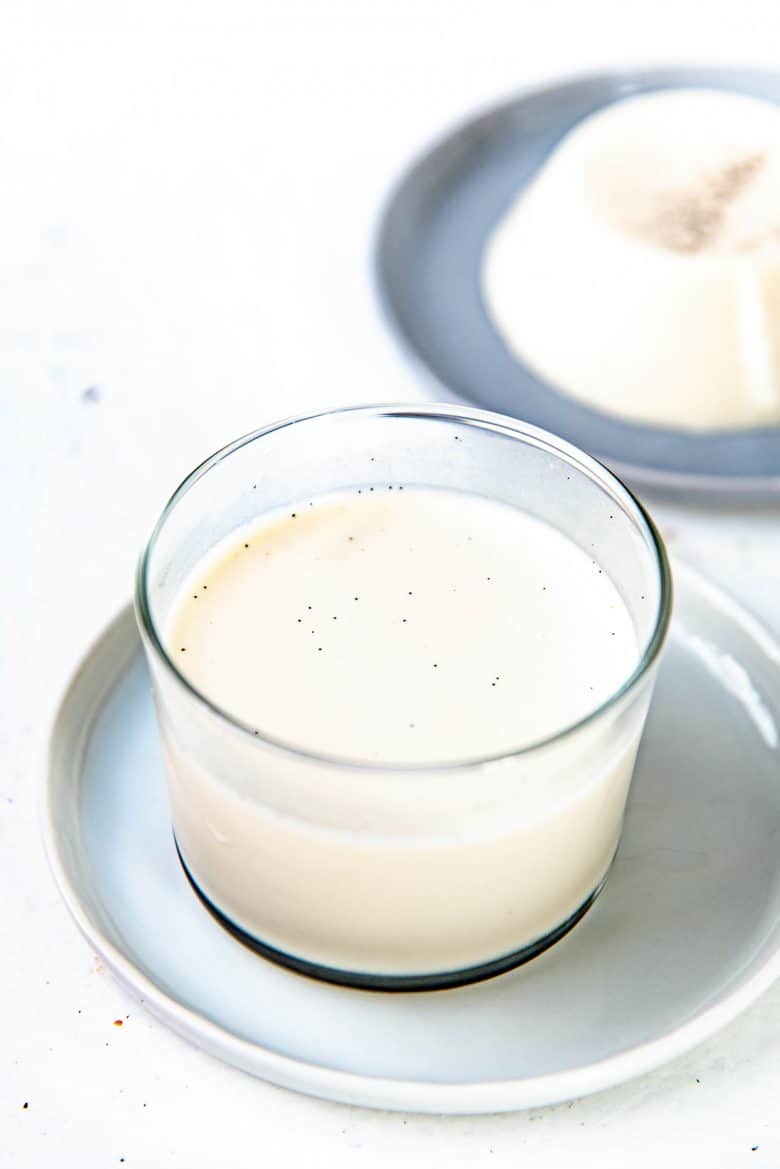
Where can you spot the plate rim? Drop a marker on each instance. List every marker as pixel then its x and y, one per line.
pixel 689 484
pixel 415 1096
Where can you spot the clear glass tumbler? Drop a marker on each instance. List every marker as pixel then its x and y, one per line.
pixel 393 877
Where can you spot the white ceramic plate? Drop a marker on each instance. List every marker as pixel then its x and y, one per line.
pixel 685 935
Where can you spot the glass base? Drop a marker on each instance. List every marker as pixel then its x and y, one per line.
pixel 393 982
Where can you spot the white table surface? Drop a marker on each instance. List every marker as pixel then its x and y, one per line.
pixel 187 202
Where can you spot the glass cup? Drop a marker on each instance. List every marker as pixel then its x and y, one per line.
pixel 399 877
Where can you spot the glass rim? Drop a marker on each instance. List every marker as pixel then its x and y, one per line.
pixel 485 420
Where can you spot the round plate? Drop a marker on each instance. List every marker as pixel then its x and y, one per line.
pixel 684 936
pixel 428 262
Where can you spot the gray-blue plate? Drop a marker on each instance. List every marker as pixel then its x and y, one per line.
pixel 428 258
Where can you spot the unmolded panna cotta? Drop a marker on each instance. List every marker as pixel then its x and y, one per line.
pixel 640 270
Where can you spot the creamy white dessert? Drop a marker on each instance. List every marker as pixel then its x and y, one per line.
pixel 403 625
pixel 400 626
pixel 640 270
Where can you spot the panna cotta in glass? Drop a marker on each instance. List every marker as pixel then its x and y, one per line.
pixel 401 687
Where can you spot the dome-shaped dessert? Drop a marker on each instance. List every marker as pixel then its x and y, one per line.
pixel 640 270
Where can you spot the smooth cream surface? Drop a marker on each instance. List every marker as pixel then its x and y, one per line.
pixel 402 625
pixel 640 270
